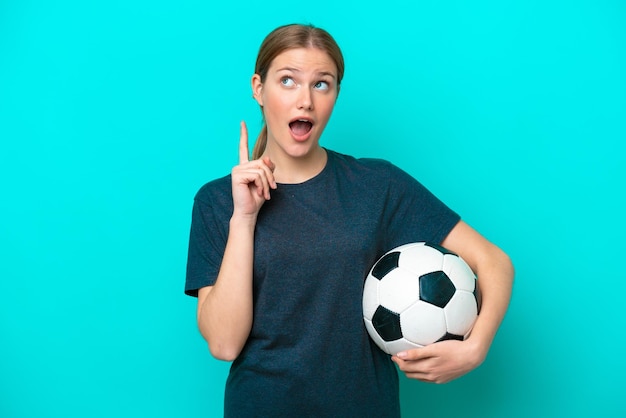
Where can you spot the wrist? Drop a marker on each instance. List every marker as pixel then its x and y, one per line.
pixel 243 220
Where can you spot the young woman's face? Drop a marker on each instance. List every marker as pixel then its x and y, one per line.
pixel 297 96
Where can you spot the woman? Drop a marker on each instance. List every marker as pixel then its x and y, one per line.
pixel 280 248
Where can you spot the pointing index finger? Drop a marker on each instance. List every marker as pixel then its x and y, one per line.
pixel 244 155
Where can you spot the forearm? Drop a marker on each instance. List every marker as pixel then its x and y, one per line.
pixel 495 279
pixel 225 310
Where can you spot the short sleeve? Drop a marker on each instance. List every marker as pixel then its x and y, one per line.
pixel 207 242
pixel 414 213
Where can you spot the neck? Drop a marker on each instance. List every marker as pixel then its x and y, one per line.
pixel 298 170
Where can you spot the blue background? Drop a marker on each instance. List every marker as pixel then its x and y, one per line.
pixel 113 114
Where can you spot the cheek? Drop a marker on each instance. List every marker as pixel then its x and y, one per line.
pixel 276 103
pixel 327 106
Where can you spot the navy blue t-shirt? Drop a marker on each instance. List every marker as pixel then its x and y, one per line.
pixel 308 353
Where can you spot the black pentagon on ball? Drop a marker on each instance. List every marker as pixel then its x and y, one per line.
pixel 385 265
pixel 387 324
pixel 439 248
pixel 449 336
pixel 436 288
pixel 478 296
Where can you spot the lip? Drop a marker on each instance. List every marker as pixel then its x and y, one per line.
pixel 301 138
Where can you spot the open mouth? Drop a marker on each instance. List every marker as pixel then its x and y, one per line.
pixel 300 127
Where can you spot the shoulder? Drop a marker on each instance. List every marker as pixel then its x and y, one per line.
pixel 215 191
pixel 375 172
pixel 364 166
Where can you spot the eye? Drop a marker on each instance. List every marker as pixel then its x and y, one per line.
pixel 287 82
pixel 322 85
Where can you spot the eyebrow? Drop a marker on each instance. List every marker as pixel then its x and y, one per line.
pixel 295 70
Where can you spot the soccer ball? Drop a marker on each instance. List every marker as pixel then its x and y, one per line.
pixel 418 294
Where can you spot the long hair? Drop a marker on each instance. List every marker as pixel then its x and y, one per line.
pixel 290 37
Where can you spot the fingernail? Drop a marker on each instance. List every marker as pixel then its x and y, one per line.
pixel 401 354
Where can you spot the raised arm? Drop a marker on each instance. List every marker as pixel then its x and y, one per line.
pixel 225 309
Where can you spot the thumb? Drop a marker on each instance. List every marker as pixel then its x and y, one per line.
pixel 414 354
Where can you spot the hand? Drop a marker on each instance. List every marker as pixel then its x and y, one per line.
pixel 440 362
pixel 251 180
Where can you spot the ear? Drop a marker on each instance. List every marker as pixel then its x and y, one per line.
pixel 257 89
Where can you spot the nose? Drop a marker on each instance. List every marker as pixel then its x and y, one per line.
pixel 305 99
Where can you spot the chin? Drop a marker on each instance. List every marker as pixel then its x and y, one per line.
pixel 301 150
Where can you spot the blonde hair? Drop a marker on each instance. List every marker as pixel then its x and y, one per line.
pixel 289 37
